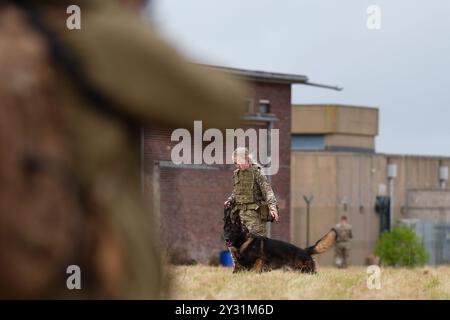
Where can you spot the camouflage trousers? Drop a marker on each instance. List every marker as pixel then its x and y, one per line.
pixel 341 254
pixel 251 219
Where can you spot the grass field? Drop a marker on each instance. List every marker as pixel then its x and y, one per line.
pixel 205 282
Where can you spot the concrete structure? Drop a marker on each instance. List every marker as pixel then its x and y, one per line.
pixel 334 128
pixel 334 160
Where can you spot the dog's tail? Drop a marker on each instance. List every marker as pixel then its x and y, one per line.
pixel 324 243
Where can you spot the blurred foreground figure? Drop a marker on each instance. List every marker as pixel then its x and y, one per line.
pixel 72 103
pixel 342 246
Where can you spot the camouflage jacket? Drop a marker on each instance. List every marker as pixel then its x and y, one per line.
pixel 261 189
pixel 344 231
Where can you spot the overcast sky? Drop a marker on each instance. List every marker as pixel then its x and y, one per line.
pixel 402 68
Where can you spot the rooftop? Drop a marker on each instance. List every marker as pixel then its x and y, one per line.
pixel 271 77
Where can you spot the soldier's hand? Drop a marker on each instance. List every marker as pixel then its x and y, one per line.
pixel 227 204
pixel 274 215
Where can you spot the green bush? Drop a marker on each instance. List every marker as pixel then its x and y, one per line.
pixel 401 247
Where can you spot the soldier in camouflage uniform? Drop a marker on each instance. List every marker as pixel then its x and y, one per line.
pixel 252 199
pixel 342 246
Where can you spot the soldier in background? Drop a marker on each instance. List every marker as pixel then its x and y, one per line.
pixel 72 104
pixel 342 245
pixel 252 199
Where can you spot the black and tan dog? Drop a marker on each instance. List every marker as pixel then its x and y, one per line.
pixel 260 254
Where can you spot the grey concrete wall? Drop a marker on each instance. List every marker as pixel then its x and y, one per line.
pixel 348 183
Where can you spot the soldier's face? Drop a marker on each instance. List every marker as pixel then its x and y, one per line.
pixel 242 165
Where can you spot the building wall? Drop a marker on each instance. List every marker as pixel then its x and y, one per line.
pixel 431 205
pixel 341 119
pixel 350 141
pixel 344 128
pixel 189 198
pixel 415 172
pixel 347 184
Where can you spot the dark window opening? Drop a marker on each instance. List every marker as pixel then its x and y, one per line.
pixel 264 106
pixel 308 142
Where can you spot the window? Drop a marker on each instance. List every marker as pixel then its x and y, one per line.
pixel 307 142
pixel 264 106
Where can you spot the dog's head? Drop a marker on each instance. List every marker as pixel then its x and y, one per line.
pixel 235 233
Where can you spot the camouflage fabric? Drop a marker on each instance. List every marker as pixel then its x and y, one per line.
pixel 344 232
pixel 112 235
pixel 251 219
pixel 255 193
pixel 243 186
pixel 341 254
pixel 342 247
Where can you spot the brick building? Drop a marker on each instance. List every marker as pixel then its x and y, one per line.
pixel 189 198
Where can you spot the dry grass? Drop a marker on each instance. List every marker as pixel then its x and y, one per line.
pixel 204 282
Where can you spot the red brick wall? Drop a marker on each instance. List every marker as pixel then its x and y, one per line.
pixel 192 205
pixel 191 199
